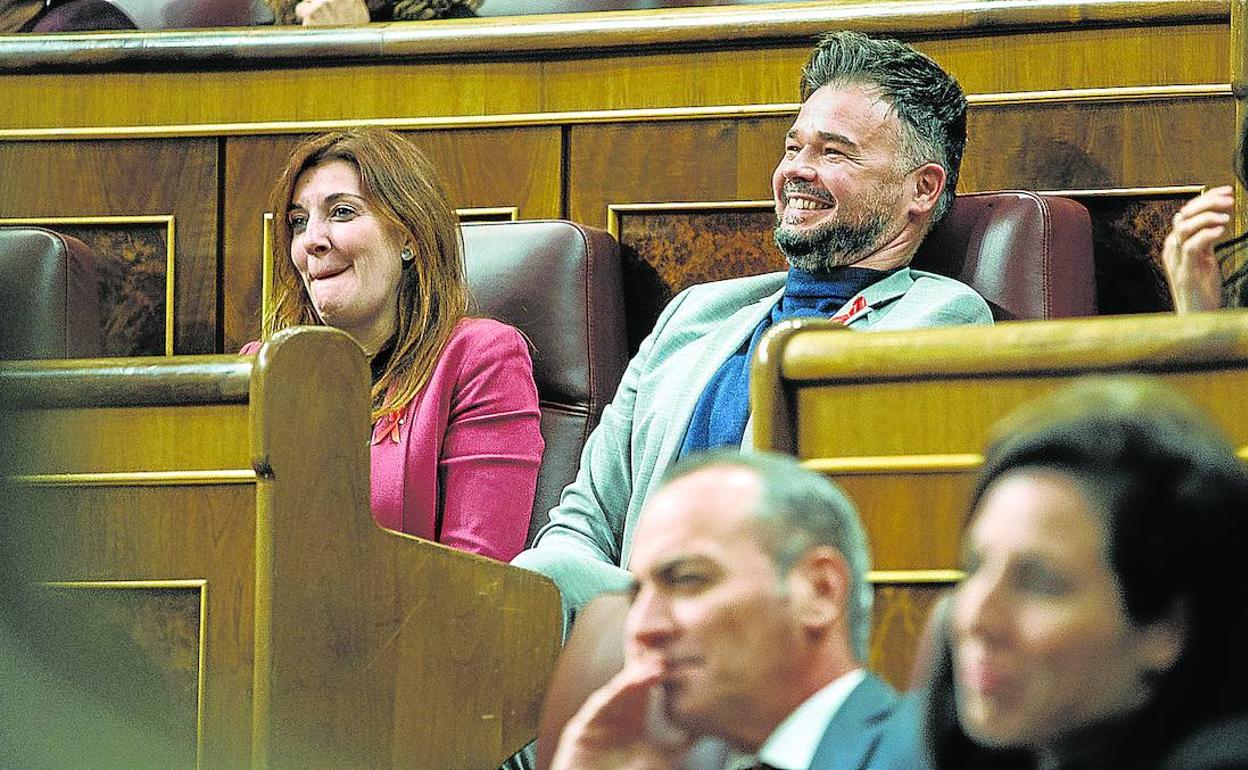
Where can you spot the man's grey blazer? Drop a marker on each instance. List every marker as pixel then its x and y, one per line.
pixel 874 729
pixel 643 427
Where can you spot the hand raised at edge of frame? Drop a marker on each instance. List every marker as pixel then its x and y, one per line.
pixel 332 13
pixel 1187 255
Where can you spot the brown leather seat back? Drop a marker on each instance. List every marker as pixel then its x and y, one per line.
pixel 1029 255
pixel 49 295
pixel 558 283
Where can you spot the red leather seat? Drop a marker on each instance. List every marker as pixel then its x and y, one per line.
pixel 1029 255
pixel 49 295
pixel 559 283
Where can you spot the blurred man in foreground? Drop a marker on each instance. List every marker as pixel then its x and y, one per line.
pixel 749 623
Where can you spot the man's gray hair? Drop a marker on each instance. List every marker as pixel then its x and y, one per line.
pixel 799 510
pixel 928 101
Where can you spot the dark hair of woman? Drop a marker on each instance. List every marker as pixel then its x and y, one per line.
pixel 1171 496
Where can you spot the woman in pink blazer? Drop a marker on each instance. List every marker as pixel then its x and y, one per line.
pixel 374 250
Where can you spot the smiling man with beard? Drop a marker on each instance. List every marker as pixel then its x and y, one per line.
pixel 868 167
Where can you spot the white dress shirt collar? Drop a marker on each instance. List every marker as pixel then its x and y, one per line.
pixel 792 745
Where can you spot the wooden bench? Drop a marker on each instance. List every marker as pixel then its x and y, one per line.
pixel 210 515
pixel 900 421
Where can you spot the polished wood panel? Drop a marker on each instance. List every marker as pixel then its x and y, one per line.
pixel 663 162
pixel 586 63
pixel 175 178
pixel 133 266
pixel 149 534
pixel 900 616
pixel 1239 81
pixel 666 249
pixel 832 399
pixel 518 169
pixel 579 114
pixel 1099 144
pixel 151 631
pixel 325 640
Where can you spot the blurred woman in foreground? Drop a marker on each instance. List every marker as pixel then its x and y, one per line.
pixel 1100 624
pixel 372 247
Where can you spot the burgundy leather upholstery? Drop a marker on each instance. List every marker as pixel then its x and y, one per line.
pixel 49 295
pixel 185 14
pixel 559 284
pixel 1029 255
pixel 81 16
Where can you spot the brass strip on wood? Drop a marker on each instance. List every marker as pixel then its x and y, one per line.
pixel 643 115
pixel 604 33
pixel 1107 95
pixel 511 212
pixel 1129 192
pixel 915 577
pixel 930 463
pixel 139 478
pixel 1104 95
pixel 266 268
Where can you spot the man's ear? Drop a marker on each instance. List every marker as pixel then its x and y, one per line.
pixel 1162 641
pixel 929 184
pixel 819 587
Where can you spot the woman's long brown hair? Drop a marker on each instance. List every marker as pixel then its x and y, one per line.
pixel 404 188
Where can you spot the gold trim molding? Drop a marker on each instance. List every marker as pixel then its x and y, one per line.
pixel 915 577
pixel 266 268
pixel 928 463
pixel 1108 95
pixel 139 478
pixel 614 210
pixel 511 212
pixel 1123 192
pixel 158 219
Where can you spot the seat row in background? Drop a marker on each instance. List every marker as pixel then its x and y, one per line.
pixel 238 558
pixel 559 282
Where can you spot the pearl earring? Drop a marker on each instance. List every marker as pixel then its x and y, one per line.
pixel 406 255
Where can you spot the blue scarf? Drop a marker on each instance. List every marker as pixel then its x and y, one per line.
pixel 723 409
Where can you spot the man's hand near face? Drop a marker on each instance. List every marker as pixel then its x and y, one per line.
pixel 622 726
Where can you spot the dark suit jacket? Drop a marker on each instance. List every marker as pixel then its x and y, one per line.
pixel 874 729
pixel 1222 745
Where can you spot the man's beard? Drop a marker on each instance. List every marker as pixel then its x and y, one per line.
pixel 836 243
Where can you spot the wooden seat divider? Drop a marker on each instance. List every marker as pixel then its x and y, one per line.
pixel 215 509
pixel 900 420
